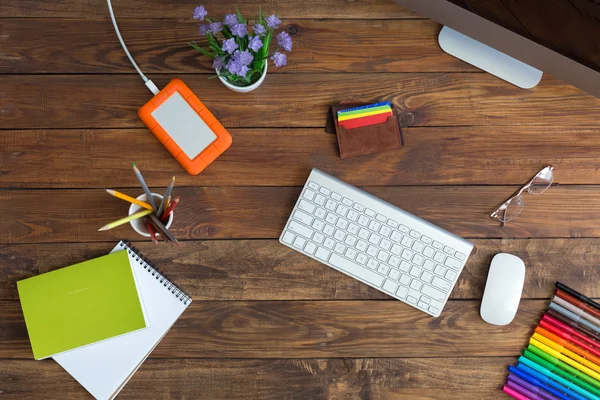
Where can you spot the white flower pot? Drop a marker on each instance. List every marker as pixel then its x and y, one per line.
pixel 246 89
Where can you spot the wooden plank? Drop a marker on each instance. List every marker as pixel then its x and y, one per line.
pixel 160 46
pixel 364 9
pixel 43 216
pixel 283 157
pixel 447 99
pixel 302 329
pixel 427 378
pixel 242 269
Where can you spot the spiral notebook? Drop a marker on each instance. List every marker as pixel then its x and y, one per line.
pixel 104 368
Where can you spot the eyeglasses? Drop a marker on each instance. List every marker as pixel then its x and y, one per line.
pixel 514 205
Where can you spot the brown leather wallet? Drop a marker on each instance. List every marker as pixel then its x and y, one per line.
pixel 367 139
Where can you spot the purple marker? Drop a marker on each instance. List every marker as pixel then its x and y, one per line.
pixel 536 391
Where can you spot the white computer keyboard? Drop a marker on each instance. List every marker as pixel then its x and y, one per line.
pixel 375 242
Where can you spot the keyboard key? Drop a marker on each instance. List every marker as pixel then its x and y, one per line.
pixel 448 250
pixel 433 293
pixel 404 266
pixel 407 254
pixel 394 274
pixel 341 210
pixel 363 233
pixel 331 218
pixel 452 263
pixel 418 259
pixel 372 263
pixel 306 206
pixel 347 201
pixel 402 292
pixel 404 229
pixel 322 254
pixel 441 284
pixel 384 269
pixel 383 256
pixel 328 230
pixel 342 223
pixel 422 304
pixel 310 247
pixel 428 251
pixel 356 270
pixel 451 275
pixel 362 245
pixel 288 237
pixel 439 257
pixel 406 241
pixel 385 231
pixel 361 258
pixel 426 239
pixel 318 237
pixel 350 240
pixel 416 271
pixel 362 220
pixel 303 217
pixel 320 213
pixel 390 286
pixel 299 242
pixel 412 300
pixel 374 225
pixel 339 248
pixel 394 261
pixel 320 200
pixel 415 234
pixel 370 212
pixel 426 276
pixel 358 207
pixel 425 299
pixel 339 235
pixel 374 239
pixel 439 270
pixel 352 215
pixel 336 196
pixel 416 284
pixel 438 245
pixel 392 223
pixel 330 205
pixel 405 279
pixel 318 224
pixel 385 244
pixel 313 185
pixel 325 191
pixel 396 236
pixel 434 310
pixel 418 247
pixel 372 250
pixel 300 229
pixel 397 250
pixel 351 253
pixel 460 256
pixel 329 242
pixel 381 218
pixel 353 229
pixel 428 265
pixel 309 194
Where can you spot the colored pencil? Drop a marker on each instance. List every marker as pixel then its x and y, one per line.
pixel 168 211
pixel 557 354
pixel 577 303
pixel 130 199
pixel 140 178
pixel 125 220
pixel 577 295
pixel 168 202
pixel 563 350
pixel 163 229
pixel 165 197
pixel 151 230
pixel 571 338
pixel 593 337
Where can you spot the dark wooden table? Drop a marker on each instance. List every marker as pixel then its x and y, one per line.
pixel 267 322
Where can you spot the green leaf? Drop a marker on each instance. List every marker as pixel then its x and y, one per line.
pixel 260 14
pixel 201 50
pixel 239 14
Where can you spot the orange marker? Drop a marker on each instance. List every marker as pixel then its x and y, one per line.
pixel 570 354
pixel 568 345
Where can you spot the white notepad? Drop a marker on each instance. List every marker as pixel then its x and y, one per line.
pixel 104 368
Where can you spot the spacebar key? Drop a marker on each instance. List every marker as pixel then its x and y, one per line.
pixel 356 270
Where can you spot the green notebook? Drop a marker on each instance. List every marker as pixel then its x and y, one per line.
pixel 81 304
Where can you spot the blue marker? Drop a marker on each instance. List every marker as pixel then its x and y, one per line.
pixel 536 382
pixel 550 382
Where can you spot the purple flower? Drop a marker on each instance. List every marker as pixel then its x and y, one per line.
pixel 243 71
pixel 239 30
pixel 215 27
pixel 202 29
pixel 273 22
pixel 236 67
pixel 243 57
pixel 231 19
pixel 200 13
pixel 259 29
pixel 255 43
pixel 218 63
pixel 229 45
pixel 285 41
pixel 279 59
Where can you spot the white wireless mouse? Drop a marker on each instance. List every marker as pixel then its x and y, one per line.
pixel 503 289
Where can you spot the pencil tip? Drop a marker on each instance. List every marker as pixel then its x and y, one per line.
pixel 110 191
pixel 133 165
pixel 102 229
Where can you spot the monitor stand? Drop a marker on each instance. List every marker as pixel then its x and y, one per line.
pixel 489 59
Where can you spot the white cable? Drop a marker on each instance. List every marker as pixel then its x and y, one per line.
pixel 149 84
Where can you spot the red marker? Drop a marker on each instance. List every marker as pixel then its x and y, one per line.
pixel 547 319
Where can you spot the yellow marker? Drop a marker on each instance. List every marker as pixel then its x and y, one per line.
pixel 130 199
pixel 567 352
pixel 125 220
pixel 564 358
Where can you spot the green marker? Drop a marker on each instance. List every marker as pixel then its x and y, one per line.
pixel 553 374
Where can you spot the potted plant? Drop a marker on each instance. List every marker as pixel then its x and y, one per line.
pixel 240 49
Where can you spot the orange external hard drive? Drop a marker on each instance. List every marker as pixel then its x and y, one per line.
pixel 185 127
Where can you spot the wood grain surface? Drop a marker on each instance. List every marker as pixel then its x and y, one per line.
pixel 267 322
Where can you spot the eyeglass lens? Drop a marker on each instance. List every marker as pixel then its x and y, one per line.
pixel 542 181
pixel 513 207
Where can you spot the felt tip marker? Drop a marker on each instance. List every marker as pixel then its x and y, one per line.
pixel 513 393
pixel 576 310
pixel 577 295
pixel 549 320
pixel 525 376
pixel 576 318
pixel 532 390
pixel 564 358
pixel 547 381
pixel 563 350
pixel 591 350
pixel 569 346
pixel 579 327
pixel 578 303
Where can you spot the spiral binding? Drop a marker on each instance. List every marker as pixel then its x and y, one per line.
pixel 184 298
